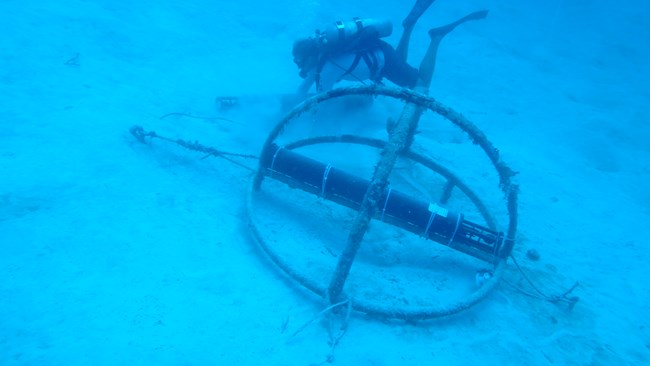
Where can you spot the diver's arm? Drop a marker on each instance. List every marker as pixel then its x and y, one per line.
pixel 306 84
pixel 290 100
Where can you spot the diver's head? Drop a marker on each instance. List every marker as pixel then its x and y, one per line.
pixel 305 54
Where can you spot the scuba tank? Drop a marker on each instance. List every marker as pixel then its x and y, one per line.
pixel 346 35
pixel 339 37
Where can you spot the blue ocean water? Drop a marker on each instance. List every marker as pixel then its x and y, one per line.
pixel 119 252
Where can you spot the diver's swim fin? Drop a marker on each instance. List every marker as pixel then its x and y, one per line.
pixel 442 31
pixel 418 9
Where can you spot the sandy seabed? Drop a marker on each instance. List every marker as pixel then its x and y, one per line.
pixel 117 252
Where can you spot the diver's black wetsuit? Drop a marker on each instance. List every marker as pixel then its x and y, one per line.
pixel 378 60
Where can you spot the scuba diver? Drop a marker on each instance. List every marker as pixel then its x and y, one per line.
pixel 354 50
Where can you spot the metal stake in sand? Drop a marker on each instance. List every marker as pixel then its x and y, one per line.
pixel 398 141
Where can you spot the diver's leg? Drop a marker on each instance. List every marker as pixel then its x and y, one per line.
pixel 428 65
pixel 408 23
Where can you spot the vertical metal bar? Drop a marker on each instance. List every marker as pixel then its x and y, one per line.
pixel 397 142
pixel 446 192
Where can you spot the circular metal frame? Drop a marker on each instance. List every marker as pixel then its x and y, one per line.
pixel 409 96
